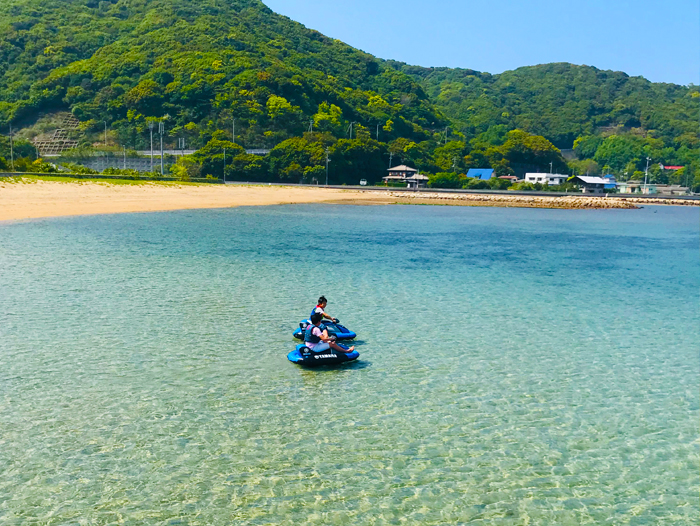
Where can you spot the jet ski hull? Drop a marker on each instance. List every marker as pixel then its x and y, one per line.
pixel 303 356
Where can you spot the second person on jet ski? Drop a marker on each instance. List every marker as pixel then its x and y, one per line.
pixel 317 340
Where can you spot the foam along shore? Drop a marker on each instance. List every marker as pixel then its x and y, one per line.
pixel 30 198
pixel 525 201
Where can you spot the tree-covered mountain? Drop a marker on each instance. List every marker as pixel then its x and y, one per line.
pixel 126 61
pixel 196 65
pixel 561 101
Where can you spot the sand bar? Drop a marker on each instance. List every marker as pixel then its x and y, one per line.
pixel 30 198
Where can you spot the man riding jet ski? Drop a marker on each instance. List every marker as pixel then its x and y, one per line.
pixel 320 308
pixel 333 326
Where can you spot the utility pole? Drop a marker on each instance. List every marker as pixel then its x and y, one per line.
pixel 161 130
pixel 551 167
pixel 105 133
pixel 454 165
pixel 446 130
pixel 150 127
pixel 377 132
pixel 12 150
pixel 391 158
pixel 327 161
pixel 646 173
pixel 124 157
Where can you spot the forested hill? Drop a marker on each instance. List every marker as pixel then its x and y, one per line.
pixel 560 101
pixel 128 60
pixel 196 65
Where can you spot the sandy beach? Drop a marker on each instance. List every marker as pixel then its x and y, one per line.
pixel 30 198
pixel 37 198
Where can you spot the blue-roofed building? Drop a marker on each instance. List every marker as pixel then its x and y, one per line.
pixel 481 173
pixel 612 183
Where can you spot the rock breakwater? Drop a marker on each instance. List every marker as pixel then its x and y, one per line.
pixel 572 202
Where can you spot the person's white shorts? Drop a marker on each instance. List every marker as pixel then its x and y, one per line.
pixel 320 347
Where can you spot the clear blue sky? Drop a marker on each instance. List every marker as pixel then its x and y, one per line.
pixel 658 39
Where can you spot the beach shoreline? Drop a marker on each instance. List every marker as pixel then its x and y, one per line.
pixel 34 198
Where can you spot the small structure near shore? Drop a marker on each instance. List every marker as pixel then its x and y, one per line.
pixel 481 173
pixel 549 179
pixel 638 187
pixel 408 175
pixel 590 185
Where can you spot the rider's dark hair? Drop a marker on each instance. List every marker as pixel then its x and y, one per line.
pixel 316 317
pixel 322 299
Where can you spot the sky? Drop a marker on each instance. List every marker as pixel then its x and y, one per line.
pixel 657 39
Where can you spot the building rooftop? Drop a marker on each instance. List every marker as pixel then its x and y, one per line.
pixel 402 168
pixel 480 173
pixel 592 180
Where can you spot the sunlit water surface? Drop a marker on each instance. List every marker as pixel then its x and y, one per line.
pixel 518 367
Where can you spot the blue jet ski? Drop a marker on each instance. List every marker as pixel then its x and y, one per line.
pixel 302 355
pixel 334 329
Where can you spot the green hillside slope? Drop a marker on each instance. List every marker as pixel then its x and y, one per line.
pixel 128 60
pixel 560 101
pixel 196 65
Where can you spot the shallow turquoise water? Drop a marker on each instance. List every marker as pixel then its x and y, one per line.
pixel 518 367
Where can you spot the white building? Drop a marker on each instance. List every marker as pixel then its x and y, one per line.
pixel 550 179
pixel 408 175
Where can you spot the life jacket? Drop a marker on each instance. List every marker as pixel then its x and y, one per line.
pixel 309 336
pixel 314 310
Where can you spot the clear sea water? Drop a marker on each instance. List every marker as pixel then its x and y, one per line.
pixel 517 367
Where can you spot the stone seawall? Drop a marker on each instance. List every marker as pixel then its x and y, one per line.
pixel 567 202
pixel 525 201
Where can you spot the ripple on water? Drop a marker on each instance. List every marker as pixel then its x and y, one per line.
pixel 518 367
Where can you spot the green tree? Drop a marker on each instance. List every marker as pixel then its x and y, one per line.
pixel 212 156
pixel 186 168
pixel 329 118
pixel 533 150
pixel 245 167
pixel 446 180
pixel 617 151
pixel 356 159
